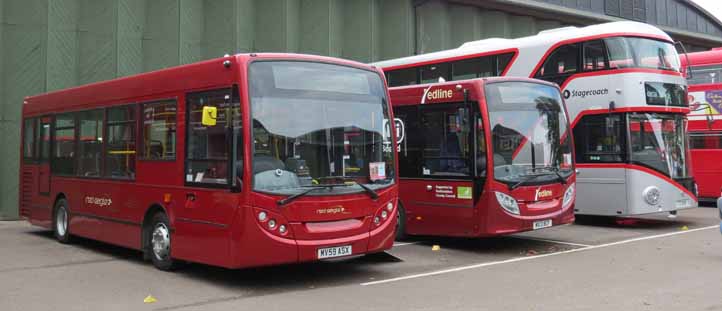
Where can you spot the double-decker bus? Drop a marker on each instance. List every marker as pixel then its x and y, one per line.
pixel 704 76
pixel 246 160
pixel 483 157
pixel 626 98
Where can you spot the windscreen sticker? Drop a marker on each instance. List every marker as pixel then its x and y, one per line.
pixel 377 170
pixel 199 177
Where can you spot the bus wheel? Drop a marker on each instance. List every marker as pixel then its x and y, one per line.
pixel 159 241
pixel 401 224
pixel 61 228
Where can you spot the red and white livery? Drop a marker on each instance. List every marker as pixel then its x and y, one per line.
pixel 626 97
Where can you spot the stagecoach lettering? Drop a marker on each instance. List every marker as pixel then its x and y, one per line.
pixel 585 93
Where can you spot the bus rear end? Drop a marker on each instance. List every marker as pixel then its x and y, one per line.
pixel 483 157
pixel 322 166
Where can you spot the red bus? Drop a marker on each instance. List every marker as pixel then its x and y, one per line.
pixel 247 160
pixel 705 120
pixel 483 157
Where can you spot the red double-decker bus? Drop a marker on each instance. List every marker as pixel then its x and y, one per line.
pixel 483 157
pixel 246 160
pixel 704 77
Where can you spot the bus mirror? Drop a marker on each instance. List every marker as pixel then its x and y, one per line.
pixel 209 116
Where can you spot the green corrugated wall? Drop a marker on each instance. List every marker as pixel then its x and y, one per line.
pixel 53 44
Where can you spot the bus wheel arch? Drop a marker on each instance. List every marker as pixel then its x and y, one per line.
pixel 60 219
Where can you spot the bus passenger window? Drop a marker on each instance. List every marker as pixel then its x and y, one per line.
pixel 90 147
pixel 502 62
pixel 159 130
pixel 561 64
pixel 472 68
pixel 432 73
pixel 594 56
pixel 120 150
pixel 29 143
pixel 702 140
pixel 207 146
pixel 401 77
pixel 64 145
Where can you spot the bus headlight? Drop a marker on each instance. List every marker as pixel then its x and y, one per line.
pixel 652 195
pixel 390 206
pixel 262 216
pixel 507 203
pixel 569 195
pixel 272 224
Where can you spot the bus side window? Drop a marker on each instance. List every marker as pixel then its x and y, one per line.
pixel 561 64
pixel 473 68
pixel 120 139
pixel 159 130
pixel 410 148
pixel 502 62
pixel 90 146
pixel 595 56
pixel 207 147
pixel 432 73
pixel 705 140
pixel 29 140
pixel 600 139
pixel 401 77
pixel 63 154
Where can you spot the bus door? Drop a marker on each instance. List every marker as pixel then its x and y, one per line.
pixel 439 197
pixel 43 181
pixel 209 197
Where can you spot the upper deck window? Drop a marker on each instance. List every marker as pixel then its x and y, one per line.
pixel 631 52
pixel 469 68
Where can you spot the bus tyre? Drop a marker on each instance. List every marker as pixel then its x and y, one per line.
pixel 401 224
pixel 61 221
pixel 159 243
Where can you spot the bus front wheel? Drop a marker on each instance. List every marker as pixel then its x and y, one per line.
pixel 61 221
pixel 159 242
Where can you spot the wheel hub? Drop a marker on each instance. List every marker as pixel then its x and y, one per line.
pixel 161 241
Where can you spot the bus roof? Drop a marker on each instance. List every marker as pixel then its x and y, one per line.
pixel 545 38
pixel 195 76
pixel 411 94
pixel 711 57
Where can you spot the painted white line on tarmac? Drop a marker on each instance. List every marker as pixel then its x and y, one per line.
pixel 405 243
pixel 518 259
pixel 550 241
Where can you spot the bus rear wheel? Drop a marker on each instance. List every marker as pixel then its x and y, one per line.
pixel 61 221
pixel 159 243
pixel 401 224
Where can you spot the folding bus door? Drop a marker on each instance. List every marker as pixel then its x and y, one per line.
pixel 439 197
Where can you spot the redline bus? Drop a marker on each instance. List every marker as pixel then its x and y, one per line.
pixel 614 77
pixel 247 160
pixel 705 119
pixel 483 157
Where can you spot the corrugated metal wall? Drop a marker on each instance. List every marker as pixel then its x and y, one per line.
pixel 52 44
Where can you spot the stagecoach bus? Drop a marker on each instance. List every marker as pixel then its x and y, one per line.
pixel 246 160
pixel 483 157
pixel 704 75
pixel 626 98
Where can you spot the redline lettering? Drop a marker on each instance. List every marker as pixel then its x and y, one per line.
pixel 439 94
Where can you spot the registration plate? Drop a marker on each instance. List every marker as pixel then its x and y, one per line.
pixel 542 224
pixel 331 252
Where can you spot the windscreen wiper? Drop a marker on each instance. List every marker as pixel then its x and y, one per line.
pixel 292 197
pixel 366 188
pixel 556 171
pixel 525 180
